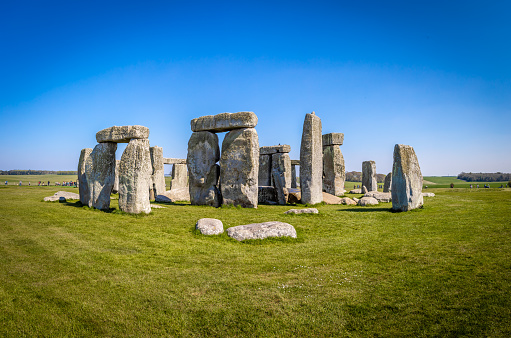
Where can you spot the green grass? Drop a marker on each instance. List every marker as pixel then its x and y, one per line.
pixel 445 270
pixel 34 179
pixel 445 182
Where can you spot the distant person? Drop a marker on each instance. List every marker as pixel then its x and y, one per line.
pixel 478 186
pixel 5 182
pixel 471 186
pixel 28 182
pixel 48 183
pixel 20 183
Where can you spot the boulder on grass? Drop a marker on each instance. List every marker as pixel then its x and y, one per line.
pixel 347 201
pixel 261 231
pixel 210 226
pixel 302 211
pixel 365 201
pixel 331 199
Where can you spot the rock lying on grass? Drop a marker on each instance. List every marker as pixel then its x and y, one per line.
pixel 331 199
pixel 355 191
pixel 210 226
pixel 355 200
pixel 261 231
pixel 347 201
pixel 428 194
pixel 303 211
pixel 385 197
pixel 365 201
pixel 62 196
pixel 156 206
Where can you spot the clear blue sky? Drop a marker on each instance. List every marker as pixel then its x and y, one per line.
pixel 432 74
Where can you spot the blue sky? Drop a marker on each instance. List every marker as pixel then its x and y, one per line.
pixel 432 74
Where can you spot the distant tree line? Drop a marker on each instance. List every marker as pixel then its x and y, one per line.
pixel 37 172
pixel 484 177
pixel 356 176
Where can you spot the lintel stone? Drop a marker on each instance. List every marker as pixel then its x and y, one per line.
pixel 269 150
pixel 167 160
pixel 224 122
pixel 122 134
pixel 333 139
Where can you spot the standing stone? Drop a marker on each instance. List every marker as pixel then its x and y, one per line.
pixel 179 177
pixel 280 188
pixel 311 160
pixel 103 168
pixel 158 175
pixel 281 163
pixel 84 163
pixel 334 170
pixel 203 153
pixel 134 177
pixel 406 179
pixel 264 178
pixel 388 182
pixel 293 176
pixel 369 175
pixel 115 188
pixel 240 167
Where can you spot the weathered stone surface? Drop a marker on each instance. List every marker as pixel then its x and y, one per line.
pixel 270 150
pixel 364 190
pixel 134 177
pixel 266 194
pixel 302 211
pixel 122 134
pixel 115 188
pixel 203 153
pixel 103 173
pixel 264 175
pixel 333 139
pixel 240 167
pixel 281 163
pixel 387 183
pixel 293 176
pixel 333 170
pixel 384 197
pixel 295 196
pixel 62 196
pixel 174 195
pixel 280 189
pixel 356 200
pixel 355 191
pixel 210 226
pixel 347 201
pixel 406 179
pixel 224 122
pixel 428 194
pixel 158 175
pixel 331 199
pixel 156 206
pixel 261 231
pixel 179 177
pixel 369 175
pixel 85 176
pixel 168 160
pixel 364 201
pixel 311 160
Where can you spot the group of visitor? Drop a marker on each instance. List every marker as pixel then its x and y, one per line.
pixel 66 184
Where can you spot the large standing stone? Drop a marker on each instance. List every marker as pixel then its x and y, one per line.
pixel 280 189
pixel 264 174
pixel 85 176
pixel 224 122
pixel 388 182
pixel 203 153
pixel 369 175
pixel 311 160
pixel 122 134
pixel 334 170
pixel 293 176
pixel 179 177
pixel 158 175
pixel 134 177
pixel 281 163
pixel 103 168
pixel 240 167
pixel 115 188
pixel 406 179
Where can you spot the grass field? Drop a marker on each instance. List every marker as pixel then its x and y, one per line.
pixel 444 270
pixel 445 182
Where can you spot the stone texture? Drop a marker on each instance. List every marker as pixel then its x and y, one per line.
pixel 406 179
pixel 384 197
pixel 295 196
pixel 179 177
pixel 203 153
pixel 280 189
pixel 174 195
pixel 261 231
pixel 355 191
pixel 264 174
pixel 347 201
pixel 364 190
pixel 281 163
pixel 334 172
pixel 428 194
pixel 311 160
pixel 103 173
pixel 115 188
pixel 62 196
pixel 156 206
pixel 293 176
pixel 158 175
pixel 364 201
pixel 224 122
pixel 122 134
pixel 302 211
pixel 135 177
pixel 167 160
pixel 270 150
pixel 356 200
pixel 387 183
pixel 331 199
pixel 333 139
pixel 85 176
pixel 369 175
pixel 240 167
pixel 210 226
pixel 266 194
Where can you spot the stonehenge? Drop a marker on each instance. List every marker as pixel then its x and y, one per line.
pixel 369 176
pixel 334 172
pixel 311 160
pixel 275 171
pixel 387 183
pixel 235 181
pixel 406 179
pixel 157 175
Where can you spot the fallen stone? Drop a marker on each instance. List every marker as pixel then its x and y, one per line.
pixel 302 211
pixel 261 231
pixel 384 197
pixel 122 134
pixel 364 201
pixel 85 177
pixel 369 175
pixel 270 150
pixel 428 194
pixel 355 191
pixel 333 139
pixel 224 122
pixel 406 179
pixel 240 167
pixel 103 169
pixel 331 199
pixel 209 226
pixel 356 200
pixel 347 201
pixel 311 159
pixel 62 196
pixel 156 206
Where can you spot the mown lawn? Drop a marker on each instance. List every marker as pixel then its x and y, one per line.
pixel 445 270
